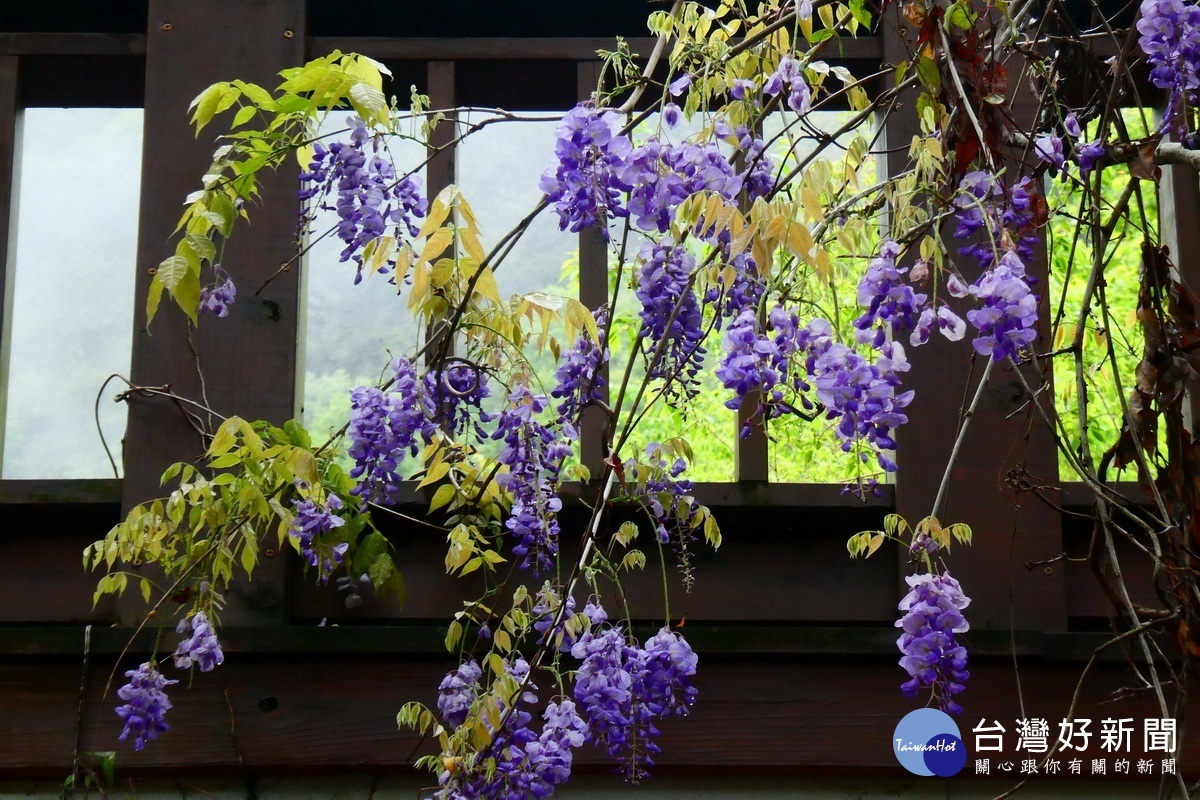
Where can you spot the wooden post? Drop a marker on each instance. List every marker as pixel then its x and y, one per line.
pixel 248 360
pixel 8 179
pixel 1005 441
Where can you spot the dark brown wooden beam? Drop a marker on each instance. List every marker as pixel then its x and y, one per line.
pixel 306 716
pixel 72 44
pixel 593 293
pixel 566 49
pixel 88 490
pixel 248 359
pixel 9 76
pixel 1005 438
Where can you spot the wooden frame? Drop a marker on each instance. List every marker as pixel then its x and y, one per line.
pixel 796 663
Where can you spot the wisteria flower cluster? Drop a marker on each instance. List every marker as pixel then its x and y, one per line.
pixel 671 315
pixel 146 705
pixel 534 455
pixel 217 298
pixel 586 186
pixel 579 379
pixel 201 648
pixel 859 393
pixel 789 77
pixel 1169 35
pixel 1007 317
pixel 369 195
pixel 622 688
pixel 760 362
pixel 598 166
pixel 385 427
pixel 454 398
pixel 526 764
pixel 308 525
pixel 932 656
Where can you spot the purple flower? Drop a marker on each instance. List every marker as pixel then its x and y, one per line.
pixel 1169 35
pixel 1071 126
pixel 622 688
pixel 680 85
pixel 579 377
pixel 453 397
pixel 201 648
pixel 309 522
pixel 671 315
pixel 534 455
pixel 384 428
pixel 1007 320
pixel 457 692
pixel 370 198
pixel 741 87
pixel 1049 148
pixel 788 76
pixel 146 705
pixel 932 657
pixel 585 185
pixel 889 300
pixel 217 299
pixel 1088 155
pixel 670 115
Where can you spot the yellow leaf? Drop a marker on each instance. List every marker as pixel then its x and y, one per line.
pixel 435 474
pixel 436 244
pixel 438 211
pixel 485 285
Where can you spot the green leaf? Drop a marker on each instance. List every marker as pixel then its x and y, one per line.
pixel 626 533
pixel 442 496
pixel 453 635
pixel 146 588
pixel 930 76
pixel 171 271
pixel 244 115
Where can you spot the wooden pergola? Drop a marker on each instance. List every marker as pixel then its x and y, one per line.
pixel 796 641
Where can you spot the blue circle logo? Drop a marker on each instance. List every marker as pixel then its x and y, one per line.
pixel 927 742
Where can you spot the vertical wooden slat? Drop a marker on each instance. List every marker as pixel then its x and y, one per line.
pixel 1010 529
pixel 8 180
pixel 1179 222
pixel 441 170
pixel 593 293
pixel 249 358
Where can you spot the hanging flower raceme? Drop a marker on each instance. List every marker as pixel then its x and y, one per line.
pixel 309 523
pixel 1007 316
pixel 858 393
pixel 457 692
pixel 622 688
pixel 146 705
pixel 453 397
pixel 370 198
pixel 890 302
pixel 217 299
pixel 761 362
pixel 579 377
pixel 525 763
pixel 671 315
pixel 586 185
pixel 385 427
pixel 932 656
pixel 1169 35
pixel 789 77
pixel 534 455
pixel 201 648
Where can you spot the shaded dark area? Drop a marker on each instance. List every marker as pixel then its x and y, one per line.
pixel 481 18
pixel 82 81
pixel 75 16
pixel 516 85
